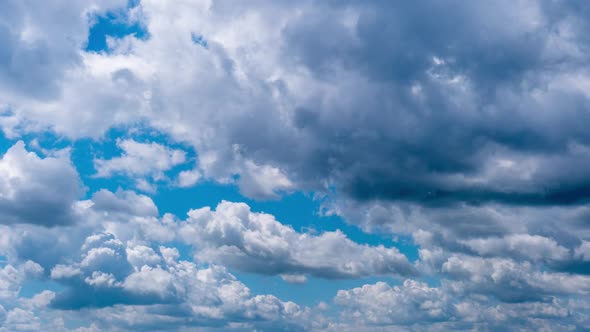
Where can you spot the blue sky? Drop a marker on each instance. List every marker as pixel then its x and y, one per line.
pixel 294 166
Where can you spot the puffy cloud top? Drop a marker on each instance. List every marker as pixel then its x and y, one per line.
pixel 257 242
pixel 37 190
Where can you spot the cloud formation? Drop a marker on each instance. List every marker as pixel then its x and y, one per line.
pixel 255 242
pixel 37 190
pixel 459 126
pixel 146 162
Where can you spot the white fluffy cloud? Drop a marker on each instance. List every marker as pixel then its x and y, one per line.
pixel 418 307
pixel 178 293
pixel 511 281
pixel 237 237
pixel 37 190
pixel 188 178
pixel 146 162
pixel 123 202
pixel 140 159
pixel 533 247
pixel 263 182
pixel 122 277
pixel 409 303
pixel 546 236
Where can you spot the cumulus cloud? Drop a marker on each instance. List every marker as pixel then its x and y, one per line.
pixel 110 273
pixel 257 242
pixel 141 161
pixel 392 149
pixel 131 216
pixel 37 190
pixel 510 281
pixel 362 114
pixel 417 306
pixel 37 51
pixel 263 182
pixel 17 313
pixel 533 247
pixel 188 178
pixel 459 125
pixel 124 202
pixel 544 235
pixel 382 304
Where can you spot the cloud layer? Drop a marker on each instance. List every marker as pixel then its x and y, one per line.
pixel 458 126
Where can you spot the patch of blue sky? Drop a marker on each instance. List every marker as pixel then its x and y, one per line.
pixel 30 288
pixel 37 142
pixel 199 40
pixel 85 151
pixel 114 24
pixel 5 143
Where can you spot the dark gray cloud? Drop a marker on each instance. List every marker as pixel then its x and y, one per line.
pixel 434 103
pixel 418 101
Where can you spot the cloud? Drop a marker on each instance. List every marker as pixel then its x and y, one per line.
pixel 545 236
pixel 142 161
pixel 510 281
pixel 124 202
pixel 381 304
pixel 417 306
pixel 188 178
pixel 138 287
pixel 111 275
pixel 294 278
pixel 533 247
pixel 263 182
pixel 16 313
pixel 234 236
pixel 393 149
pixel 129 215
pixel 44 50
pixel 122 277
pixel 37 190
pixel 459 125
pixel 362 114
pixel 583 251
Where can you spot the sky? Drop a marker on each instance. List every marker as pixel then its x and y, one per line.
pixel 314 165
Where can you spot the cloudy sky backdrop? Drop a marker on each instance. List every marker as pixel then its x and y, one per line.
pixel 225 165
